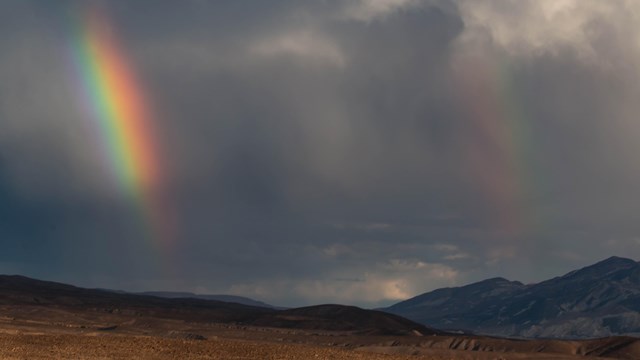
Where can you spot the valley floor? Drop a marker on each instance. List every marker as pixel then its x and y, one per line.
pixel 223 342
pixel 47 346
pixel 38 332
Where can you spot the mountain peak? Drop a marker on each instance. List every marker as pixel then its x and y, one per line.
pixel 493 282
pixel 496 280
pixel 603 268
pixel 616 261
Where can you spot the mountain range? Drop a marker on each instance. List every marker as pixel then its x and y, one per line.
pixel 596 301
pixel 41 317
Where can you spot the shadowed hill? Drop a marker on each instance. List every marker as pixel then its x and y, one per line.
pixel 20 290
pixel 344 318
pixel 226 298
pixel 596 301
pixel 23 291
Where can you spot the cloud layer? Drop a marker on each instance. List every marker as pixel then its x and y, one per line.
pixel 336 151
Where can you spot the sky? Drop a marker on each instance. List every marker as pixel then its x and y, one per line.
pixel 304 152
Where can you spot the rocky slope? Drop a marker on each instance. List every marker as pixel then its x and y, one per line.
pixel 596 301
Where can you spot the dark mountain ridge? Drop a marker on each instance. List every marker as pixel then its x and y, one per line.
pixel 19 292
pixel 599 300
pixel 23 291
pixel 226 298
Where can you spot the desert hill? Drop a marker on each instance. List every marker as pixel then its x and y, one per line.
pixel 23 291
pixel 217 297
pixel 344 318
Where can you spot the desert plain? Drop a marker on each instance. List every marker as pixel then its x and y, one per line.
pixel 51 332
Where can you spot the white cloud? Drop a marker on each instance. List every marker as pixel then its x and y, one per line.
pixel 543 26
pixel 304 44
pixel 337 249
pixel 445 247
pixel 457 256
pixel 394 280
pixel 368 10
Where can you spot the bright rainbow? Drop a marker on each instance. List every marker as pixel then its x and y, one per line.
pixel 121 117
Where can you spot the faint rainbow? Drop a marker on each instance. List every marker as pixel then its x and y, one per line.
pixel 119 113
pixel 498 147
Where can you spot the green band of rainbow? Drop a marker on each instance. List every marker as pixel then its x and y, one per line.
pixel 121 116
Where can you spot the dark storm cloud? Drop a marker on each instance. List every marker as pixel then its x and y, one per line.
pixel 325 151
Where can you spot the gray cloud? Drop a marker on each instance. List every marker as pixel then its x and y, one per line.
pixel 357 151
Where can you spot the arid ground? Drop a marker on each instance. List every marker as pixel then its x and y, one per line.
pixel 32 332
pixel 46 320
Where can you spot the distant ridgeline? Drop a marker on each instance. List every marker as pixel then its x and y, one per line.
pixel 596 301
pixel 226 298
pixel 44 300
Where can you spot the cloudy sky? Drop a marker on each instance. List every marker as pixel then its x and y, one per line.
pixel 354 151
